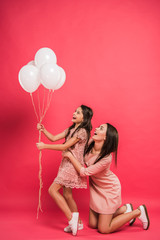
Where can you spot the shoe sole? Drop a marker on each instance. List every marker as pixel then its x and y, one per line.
pixel 134 219
pixel 147 216
pixel 69 231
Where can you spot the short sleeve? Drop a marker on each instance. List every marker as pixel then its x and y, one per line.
pixel 81 134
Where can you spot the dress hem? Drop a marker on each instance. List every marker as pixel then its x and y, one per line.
pixel 105 212
pixel 68 185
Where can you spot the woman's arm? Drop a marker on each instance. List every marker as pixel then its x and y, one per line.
pixel 58 147
pixel 91 170
pixel 95 168
pixel 73 160
pixel 50 136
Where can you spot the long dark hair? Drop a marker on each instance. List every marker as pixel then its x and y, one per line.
pixel 86 124
pixel 110 144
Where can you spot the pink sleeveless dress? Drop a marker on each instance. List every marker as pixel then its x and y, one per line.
pixel 67 175
pixel 105 188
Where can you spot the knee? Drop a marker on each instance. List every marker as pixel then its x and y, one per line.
pixel 92 225
pixel 51 191
pixel 103 230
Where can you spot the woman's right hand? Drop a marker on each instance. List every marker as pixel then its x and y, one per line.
pixel 40 127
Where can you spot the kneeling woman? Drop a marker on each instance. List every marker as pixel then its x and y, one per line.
pixel 105 188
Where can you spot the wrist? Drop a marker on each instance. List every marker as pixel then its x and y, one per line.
pixel 45 146
pixel 43 130
pixel 71 157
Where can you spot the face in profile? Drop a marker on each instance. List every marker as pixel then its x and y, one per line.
pixel 100 133
pixel 78 116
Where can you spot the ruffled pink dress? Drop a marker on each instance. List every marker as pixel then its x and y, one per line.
pixel 67 175
pixel 105 187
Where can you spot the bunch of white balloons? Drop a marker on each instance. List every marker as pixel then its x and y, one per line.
pixel 43 70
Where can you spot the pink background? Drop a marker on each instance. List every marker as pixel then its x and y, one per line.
pixel 110 52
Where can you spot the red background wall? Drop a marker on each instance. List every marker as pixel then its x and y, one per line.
pixel 110 51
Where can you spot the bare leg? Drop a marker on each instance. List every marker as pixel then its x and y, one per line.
pixel 59 199
pixel 93 219
pixel 67 193
pixel 108 224
pixel 119 211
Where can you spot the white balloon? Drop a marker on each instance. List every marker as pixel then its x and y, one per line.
pixel 31 63
pixel 50 75
pixel 45 55
pixel 62 78
pixel 29 78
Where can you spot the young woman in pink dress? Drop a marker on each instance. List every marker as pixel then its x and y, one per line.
pixel 76 140
pixel 105 188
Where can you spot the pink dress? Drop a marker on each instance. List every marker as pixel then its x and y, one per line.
pixel 67 175
pixel 105 188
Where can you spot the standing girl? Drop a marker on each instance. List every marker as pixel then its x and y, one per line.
pixel 105 189
pixel 76 139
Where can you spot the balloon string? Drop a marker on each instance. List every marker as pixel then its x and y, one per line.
pixel 40 118
pixel 39 106
pixel 49 98
pixel 34 106
pixel 45 110
pixel 43 102
pixel 40 164
pixel 40 179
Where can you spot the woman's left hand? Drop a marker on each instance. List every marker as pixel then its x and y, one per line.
pixel 67 154
pixel 40 145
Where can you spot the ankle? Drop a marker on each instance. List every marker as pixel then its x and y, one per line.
pixel 79 221
pixel 138 212
pixel 69 217
pixel 73 223
pixel 124 208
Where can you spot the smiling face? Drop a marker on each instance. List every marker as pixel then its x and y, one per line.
pixel 77 116
pixel 100 133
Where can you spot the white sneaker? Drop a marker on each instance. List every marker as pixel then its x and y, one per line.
pixel 129 209
pixel 144 217
pixel 73 223
pixel 68 229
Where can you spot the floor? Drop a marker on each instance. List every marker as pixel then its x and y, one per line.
pixel 24 225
